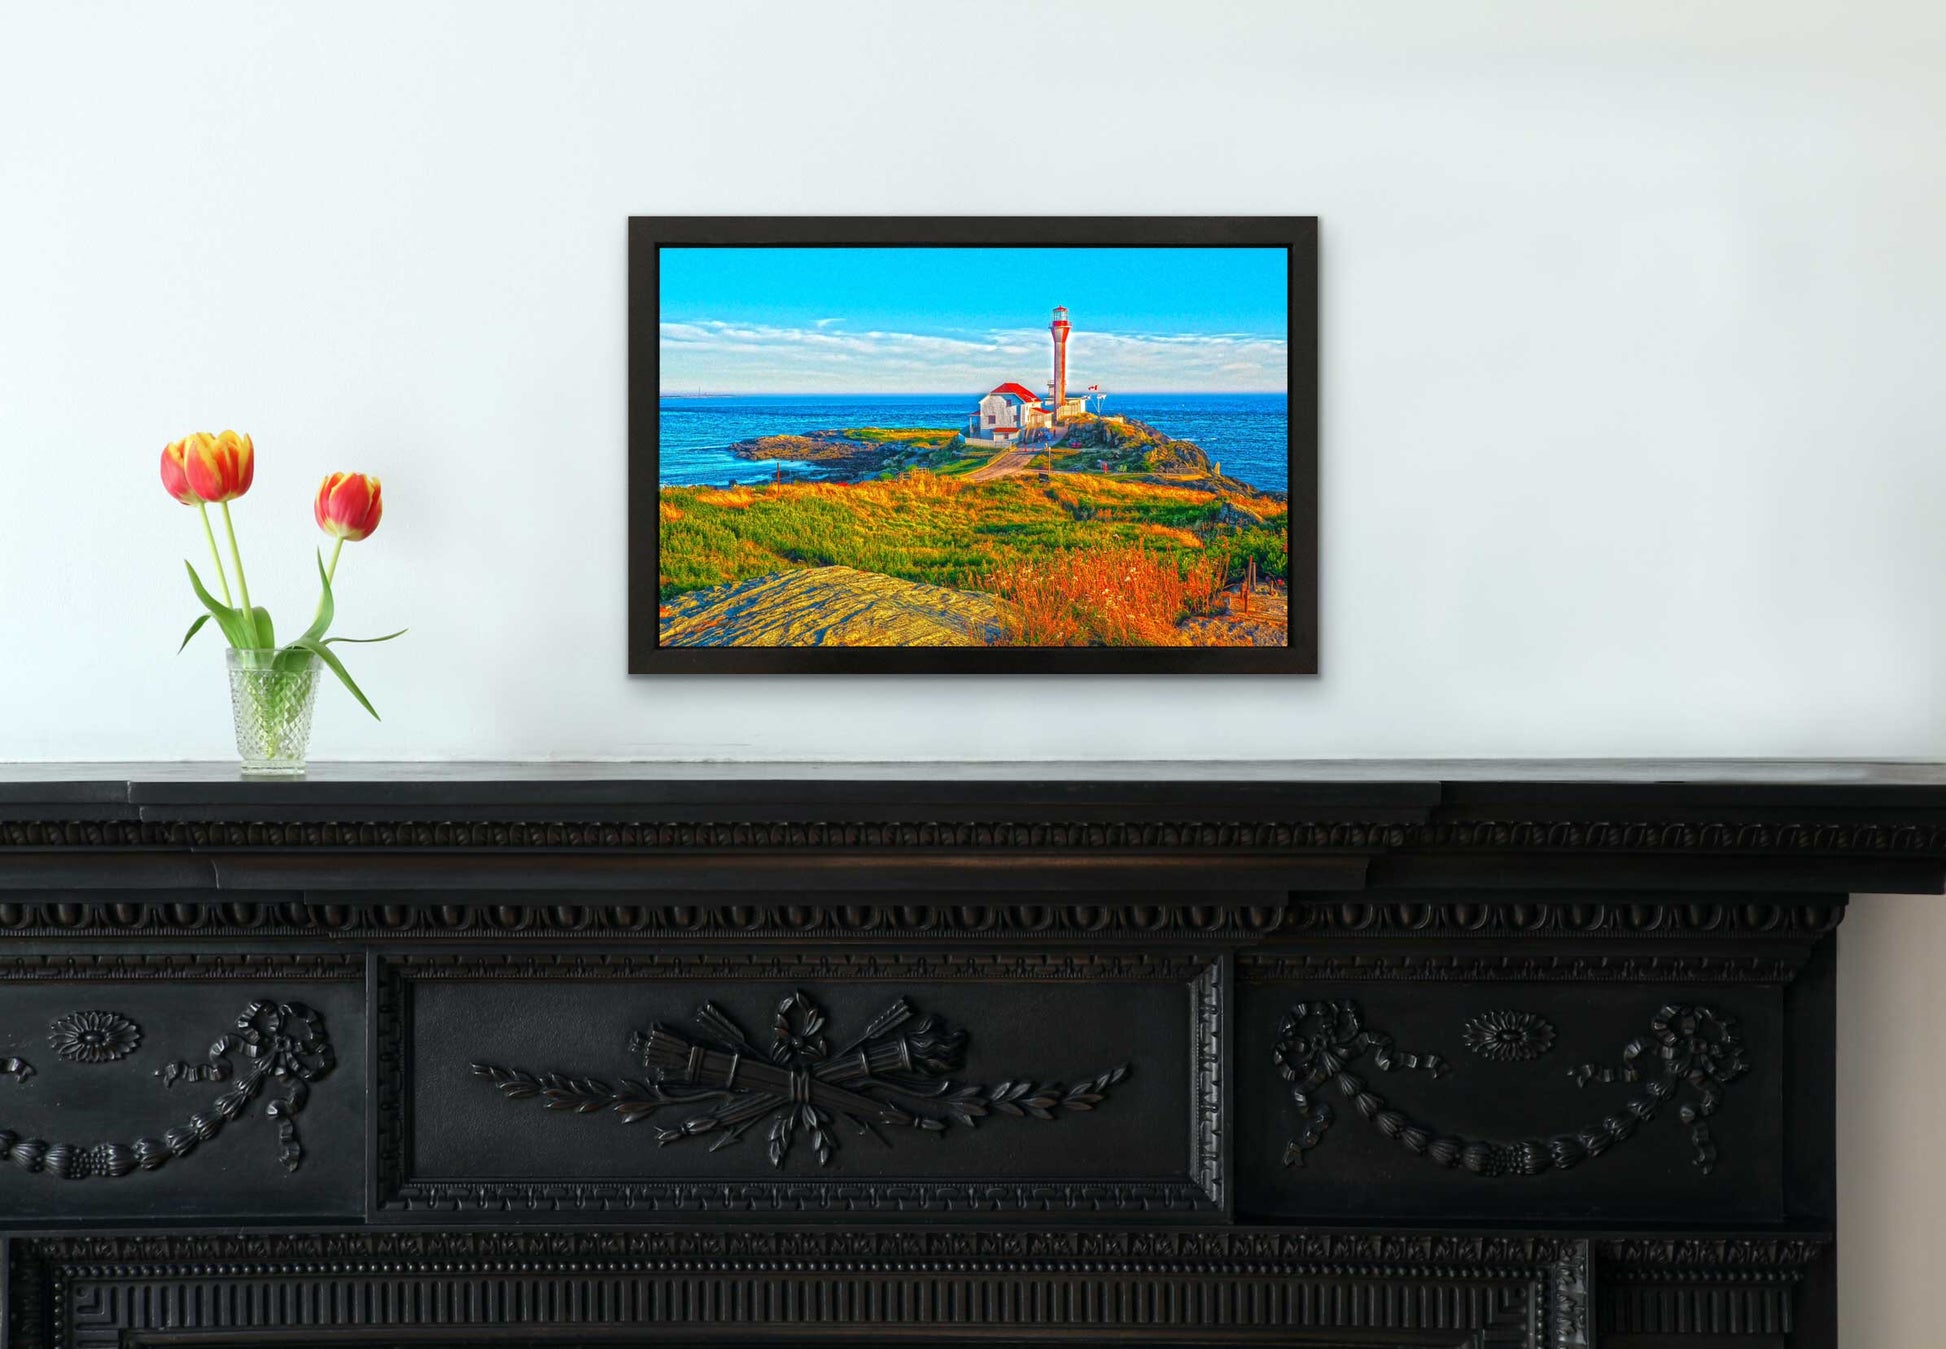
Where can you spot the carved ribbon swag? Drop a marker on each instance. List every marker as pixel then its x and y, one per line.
pixel 1691 1047
pixel 895 1072
pixel 284 1048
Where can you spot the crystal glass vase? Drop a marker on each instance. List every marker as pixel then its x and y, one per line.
pixel 272 694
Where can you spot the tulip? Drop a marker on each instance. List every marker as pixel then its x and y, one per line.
pixel 348 508
pixel 175 481
pixel 219 468
pixel 203 469
pixel 175 478
pixel 349 505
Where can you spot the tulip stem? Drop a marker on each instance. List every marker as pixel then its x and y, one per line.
pixel 202 508
pixel 236 556
pixel 331 572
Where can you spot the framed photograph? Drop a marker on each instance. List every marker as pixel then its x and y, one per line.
pixel 973 445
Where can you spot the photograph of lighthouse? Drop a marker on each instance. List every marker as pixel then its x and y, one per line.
pixel 972 456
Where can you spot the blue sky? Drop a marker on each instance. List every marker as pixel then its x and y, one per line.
pixel 938 320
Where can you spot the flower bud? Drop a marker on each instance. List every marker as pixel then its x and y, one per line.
pixel 348 505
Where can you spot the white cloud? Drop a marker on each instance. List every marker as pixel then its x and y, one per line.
pixel 749 358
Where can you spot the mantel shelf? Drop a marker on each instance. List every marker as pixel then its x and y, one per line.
pixel 132 779
pixel 1248 831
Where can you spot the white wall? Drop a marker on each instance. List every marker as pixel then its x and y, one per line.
pixel 1633 368
pixel 1634 390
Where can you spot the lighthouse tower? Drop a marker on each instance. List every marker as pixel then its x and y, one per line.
pixel 1060 330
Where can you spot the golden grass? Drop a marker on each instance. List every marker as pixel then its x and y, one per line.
pixel 730 498
pixel 943 530
pixel 916 485
pixel 1171 535
pixel 1115 596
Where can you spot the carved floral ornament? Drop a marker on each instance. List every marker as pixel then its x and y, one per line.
pixel 1508 1036
pixel 94 1037
pixel 896 1072
pixel 284 1049
pixel 1691 1052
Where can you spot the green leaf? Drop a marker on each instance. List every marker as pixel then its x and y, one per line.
pixel 238 628
pixel 327 608
pixel 194 628
pixel 386 638
pixel 266 630
pixel 330 658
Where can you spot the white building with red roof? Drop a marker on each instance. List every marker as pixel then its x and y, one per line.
pixel 1012 410
pixel 1007 412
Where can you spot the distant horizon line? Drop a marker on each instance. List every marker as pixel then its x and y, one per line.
pixel 939 393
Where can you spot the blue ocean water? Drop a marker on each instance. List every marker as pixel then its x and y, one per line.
pixel 1248 433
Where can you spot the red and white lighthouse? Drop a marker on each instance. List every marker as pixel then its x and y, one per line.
pixel 1060 330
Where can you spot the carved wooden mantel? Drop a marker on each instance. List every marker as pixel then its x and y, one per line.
pixel 1400 1054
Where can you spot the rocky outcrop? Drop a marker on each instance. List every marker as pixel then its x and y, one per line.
pixel 829 606
pixel 1261 619
pixel 855 454
pixel 1128 445
pixel 831 452
pixel 1110 433
pixel 1178 457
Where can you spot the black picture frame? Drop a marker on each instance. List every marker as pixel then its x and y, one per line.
pixel 647 235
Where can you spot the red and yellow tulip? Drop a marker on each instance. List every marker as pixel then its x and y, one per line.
pixel 175 481
pixel 219 467
pixel 201 469
pixel 175 477
pixel 348 506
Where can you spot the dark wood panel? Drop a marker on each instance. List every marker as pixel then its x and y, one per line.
pixel 766 1079
pixel 1560 1101
pixel 216 1088
pixel 1040 1285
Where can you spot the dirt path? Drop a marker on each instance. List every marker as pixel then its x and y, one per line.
pixel 1005 463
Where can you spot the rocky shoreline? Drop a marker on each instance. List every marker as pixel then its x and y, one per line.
pixel 831 451
pixel 1114 445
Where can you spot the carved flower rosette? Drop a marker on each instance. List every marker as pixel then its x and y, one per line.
pixel 1508 1036
pixel 93 1037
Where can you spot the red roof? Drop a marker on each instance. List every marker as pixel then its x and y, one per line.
pixel 1018 391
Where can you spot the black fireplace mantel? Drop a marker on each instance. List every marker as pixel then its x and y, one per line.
pixel 1349 1054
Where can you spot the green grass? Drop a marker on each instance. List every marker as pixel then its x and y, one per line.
pixel 953 466
pixel 945 531
pixel 923 438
